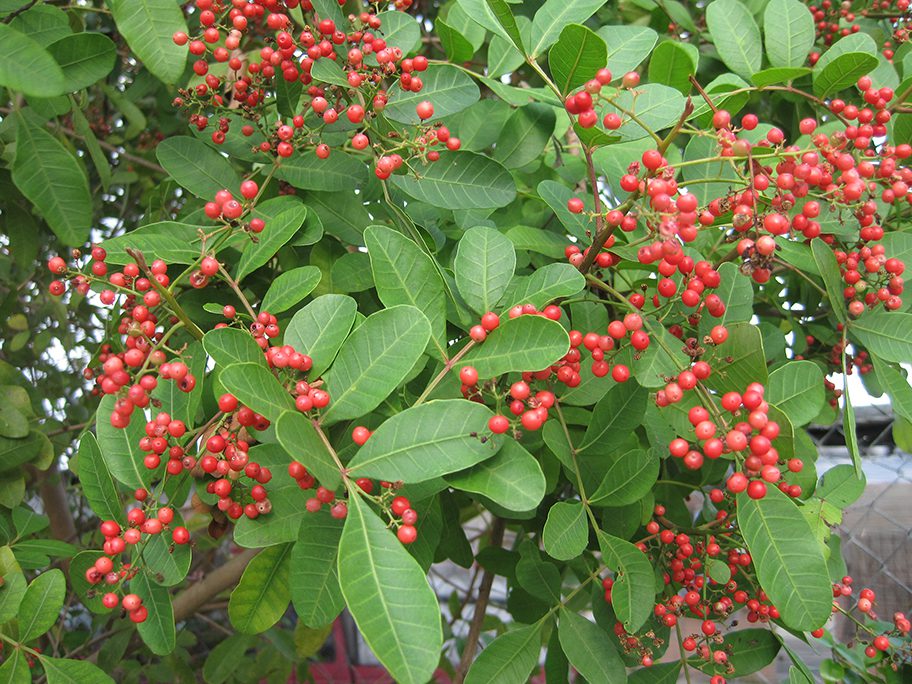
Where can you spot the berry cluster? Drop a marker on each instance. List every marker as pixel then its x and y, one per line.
pixel 110 571
pixel 356 85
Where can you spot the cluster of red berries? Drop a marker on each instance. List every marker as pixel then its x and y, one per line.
pixel 835 20
pixel 879 638
pixel 684 560
pixel 360 52
pixel 871 279
pixel 108 569
pixel 749 440
pixel 401 508
pixel 581 105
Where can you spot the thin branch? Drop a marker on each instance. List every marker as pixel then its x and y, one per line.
pixel 197 595
pixel 481 605
pixel 12 15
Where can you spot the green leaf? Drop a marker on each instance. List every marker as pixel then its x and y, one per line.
pixel 566 531
pixel 263 593
pixel 750 651
pixel 504 16
pixel 797 389
pixel 23 60
pixel 512 478
pixel 896 384
pixel 546 284
pixel 457 47
pixel 15 669
pixel 844 63
pixel 427 441
pixel 484 265
pixel 789 30
pixel 120 447
pixel 223 660
pixel 404 274
pixel 374 361
pixel 589 649
pixel 848 419
pixel 525 343
pixel 832 281
pixel 298 436
pixel 42 23
pixel 738 361
pixel 885 334
pixel 718 570
pixel 70 671
pixel 289 288
pixel 196 166
pixel 735 35
pixel 280 228
pixel 13 423
pixel 628 46
pixel 555 195
pixel 177 243
pixel 84 57
pixel 633 593
pixel 98 485
pixel 629 477
pixel 553 16
pixel 840 486
pixel 449 88
pixel 577 55
pixel 525 135
pixel 148 26
pixel 167 563
pixel 339 171
pixel 12 591
pixel 41 604
pixel 789 562
pixel 255 386
pixel 778 75
pixel 314 579
pixel 320 328
pixel 537 240
pixel 539 578
pixel 656 106
pixel 400 30
pixel 285 495
pixel 228 346
pixel 157 632
pixel 328 71
pixel 619 412
pixel 179 404
pixel 51 178
pixel 99 158
pixel 509 659
pixel 660 673
pixel 460 180
pixel 673 63
pixel 389 597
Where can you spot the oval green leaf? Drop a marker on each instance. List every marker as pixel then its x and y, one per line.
pixel 789 560
pixel 427 441
pixel 263 593
pixel 389 597
pixel 374 360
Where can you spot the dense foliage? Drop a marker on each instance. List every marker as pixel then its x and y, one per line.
pixel 305 299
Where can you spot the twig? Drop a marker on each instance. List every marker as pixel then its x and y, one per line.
pixel 12 15
pixel 481 604
pixel 197 595
pixel 696 84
